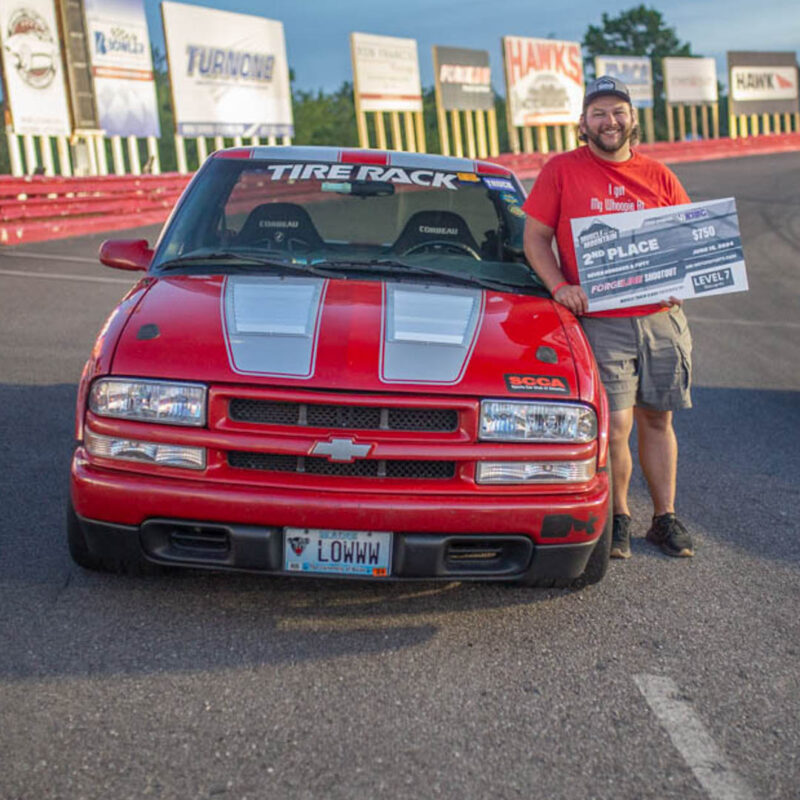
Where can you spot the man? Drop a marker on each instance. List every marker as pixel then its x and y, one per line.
pixel 643 353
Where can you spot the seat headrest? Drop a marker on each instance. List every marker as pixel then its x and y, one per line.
pixel 429 226
pixel 278 223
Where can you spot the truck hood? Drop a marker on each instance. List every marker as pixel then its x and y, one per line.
pixel 350 335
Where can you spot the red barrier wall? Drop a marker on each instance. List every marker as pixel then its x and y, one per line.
pixel 528 165
pixel 36 208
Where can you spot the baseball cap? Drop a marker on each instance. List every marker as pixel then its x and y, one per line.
pixel 605 84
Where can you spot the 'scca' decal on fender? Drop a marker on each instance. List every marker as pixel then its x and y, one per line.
pixel 541 384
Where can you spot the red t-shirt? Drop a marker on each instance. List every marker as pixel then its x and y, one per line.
pixel 580 184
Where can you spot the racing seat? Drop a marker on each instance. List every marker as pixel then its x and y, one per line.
pixel 431 231
pixel 280 226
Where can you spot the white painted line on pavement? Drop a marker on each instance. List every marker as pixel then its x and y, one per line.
pixel 55 277
pixel 693 742
pixel 50 256
pixel 754 322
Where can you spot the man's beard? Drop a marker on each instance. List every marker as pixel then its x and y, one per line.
pixel 627 133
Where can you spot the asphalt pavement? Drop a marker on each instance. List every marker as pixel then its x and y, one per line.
pixel 669 679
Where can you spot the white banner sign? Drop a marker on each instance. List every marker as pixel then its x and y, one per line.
pixel 544 78
pixel 636 73
pixel 119 48
pixel 386 73
pixel 640 257
pixel 228 72
pixel 763 83
pixel 690 81
pixel 32 66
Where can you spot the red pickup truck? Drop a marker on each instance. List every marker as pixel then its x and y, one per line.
pixel 338 364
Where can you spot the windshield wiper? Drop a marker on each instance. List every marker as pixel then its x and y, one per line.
pixel 393 265
pixel 240 260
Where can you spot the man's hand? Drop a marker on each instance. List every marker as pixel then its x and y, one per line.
pixel 673 301
pixel 574 298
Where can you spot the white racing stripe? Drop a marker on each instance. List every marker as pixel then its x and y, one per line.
pixel 693 742
pixel 56 277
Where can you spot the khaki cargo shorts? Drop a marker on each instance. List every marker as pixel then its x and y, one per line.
pixel 643 361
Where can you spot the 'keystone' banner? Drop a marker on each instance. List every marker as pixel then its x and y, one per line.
pixel 544 79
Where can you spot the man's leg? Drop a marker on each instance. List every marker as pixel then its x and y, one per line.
pixel 619 434
pixel 658 455
pixel 615 346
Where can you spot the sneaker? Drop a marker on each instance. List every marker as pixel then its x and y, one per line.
pixel 621 537
pixel 668 533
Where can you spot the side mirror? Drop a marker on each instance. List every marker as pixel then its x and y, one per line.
pixel 131 254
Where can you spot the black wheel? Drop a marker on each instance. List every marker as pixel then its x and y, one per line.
pixel 123 565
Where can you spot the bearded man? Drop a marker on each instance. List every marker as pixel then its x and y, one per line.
pixel 644 352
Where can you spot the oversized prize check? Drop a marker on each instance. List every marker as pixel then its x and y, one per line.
pixel 639 257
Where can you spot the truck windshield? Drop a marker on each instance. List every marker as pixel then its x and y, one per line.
pixel 340 214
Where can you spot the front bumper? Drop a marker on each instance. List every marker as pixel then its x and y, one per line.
pixel 240 527
pixel 415 556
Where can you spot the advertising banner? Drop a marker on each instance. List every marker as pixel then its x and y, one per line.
pixel 122 67
pixel 228 72
pixel 463 78
pixel 635 72
pixel 32 67
pixel 544 78
pixel 641 257
pixel 386 73
pixel 763 83
pixel 690 81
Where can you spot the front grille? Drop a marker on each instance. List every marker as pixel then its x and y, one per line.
pixel 363 468
pixel 328 415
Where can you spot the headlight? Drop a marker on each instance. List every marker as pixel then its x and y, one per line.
pixel 535 471
pixel 165 455
pixel 506 421
pixel 149 401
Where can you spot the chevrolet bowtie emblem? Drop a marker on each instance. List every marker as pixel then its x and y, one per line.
pixel 341 450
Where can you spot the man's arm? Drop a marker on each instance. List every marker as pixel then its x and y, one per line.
pixel 538 242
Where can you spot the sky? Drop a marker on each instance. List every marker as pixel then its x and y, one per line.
pixel 317 31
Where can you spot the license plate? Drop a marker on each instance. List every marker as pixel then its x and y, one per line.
pixel 315 550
